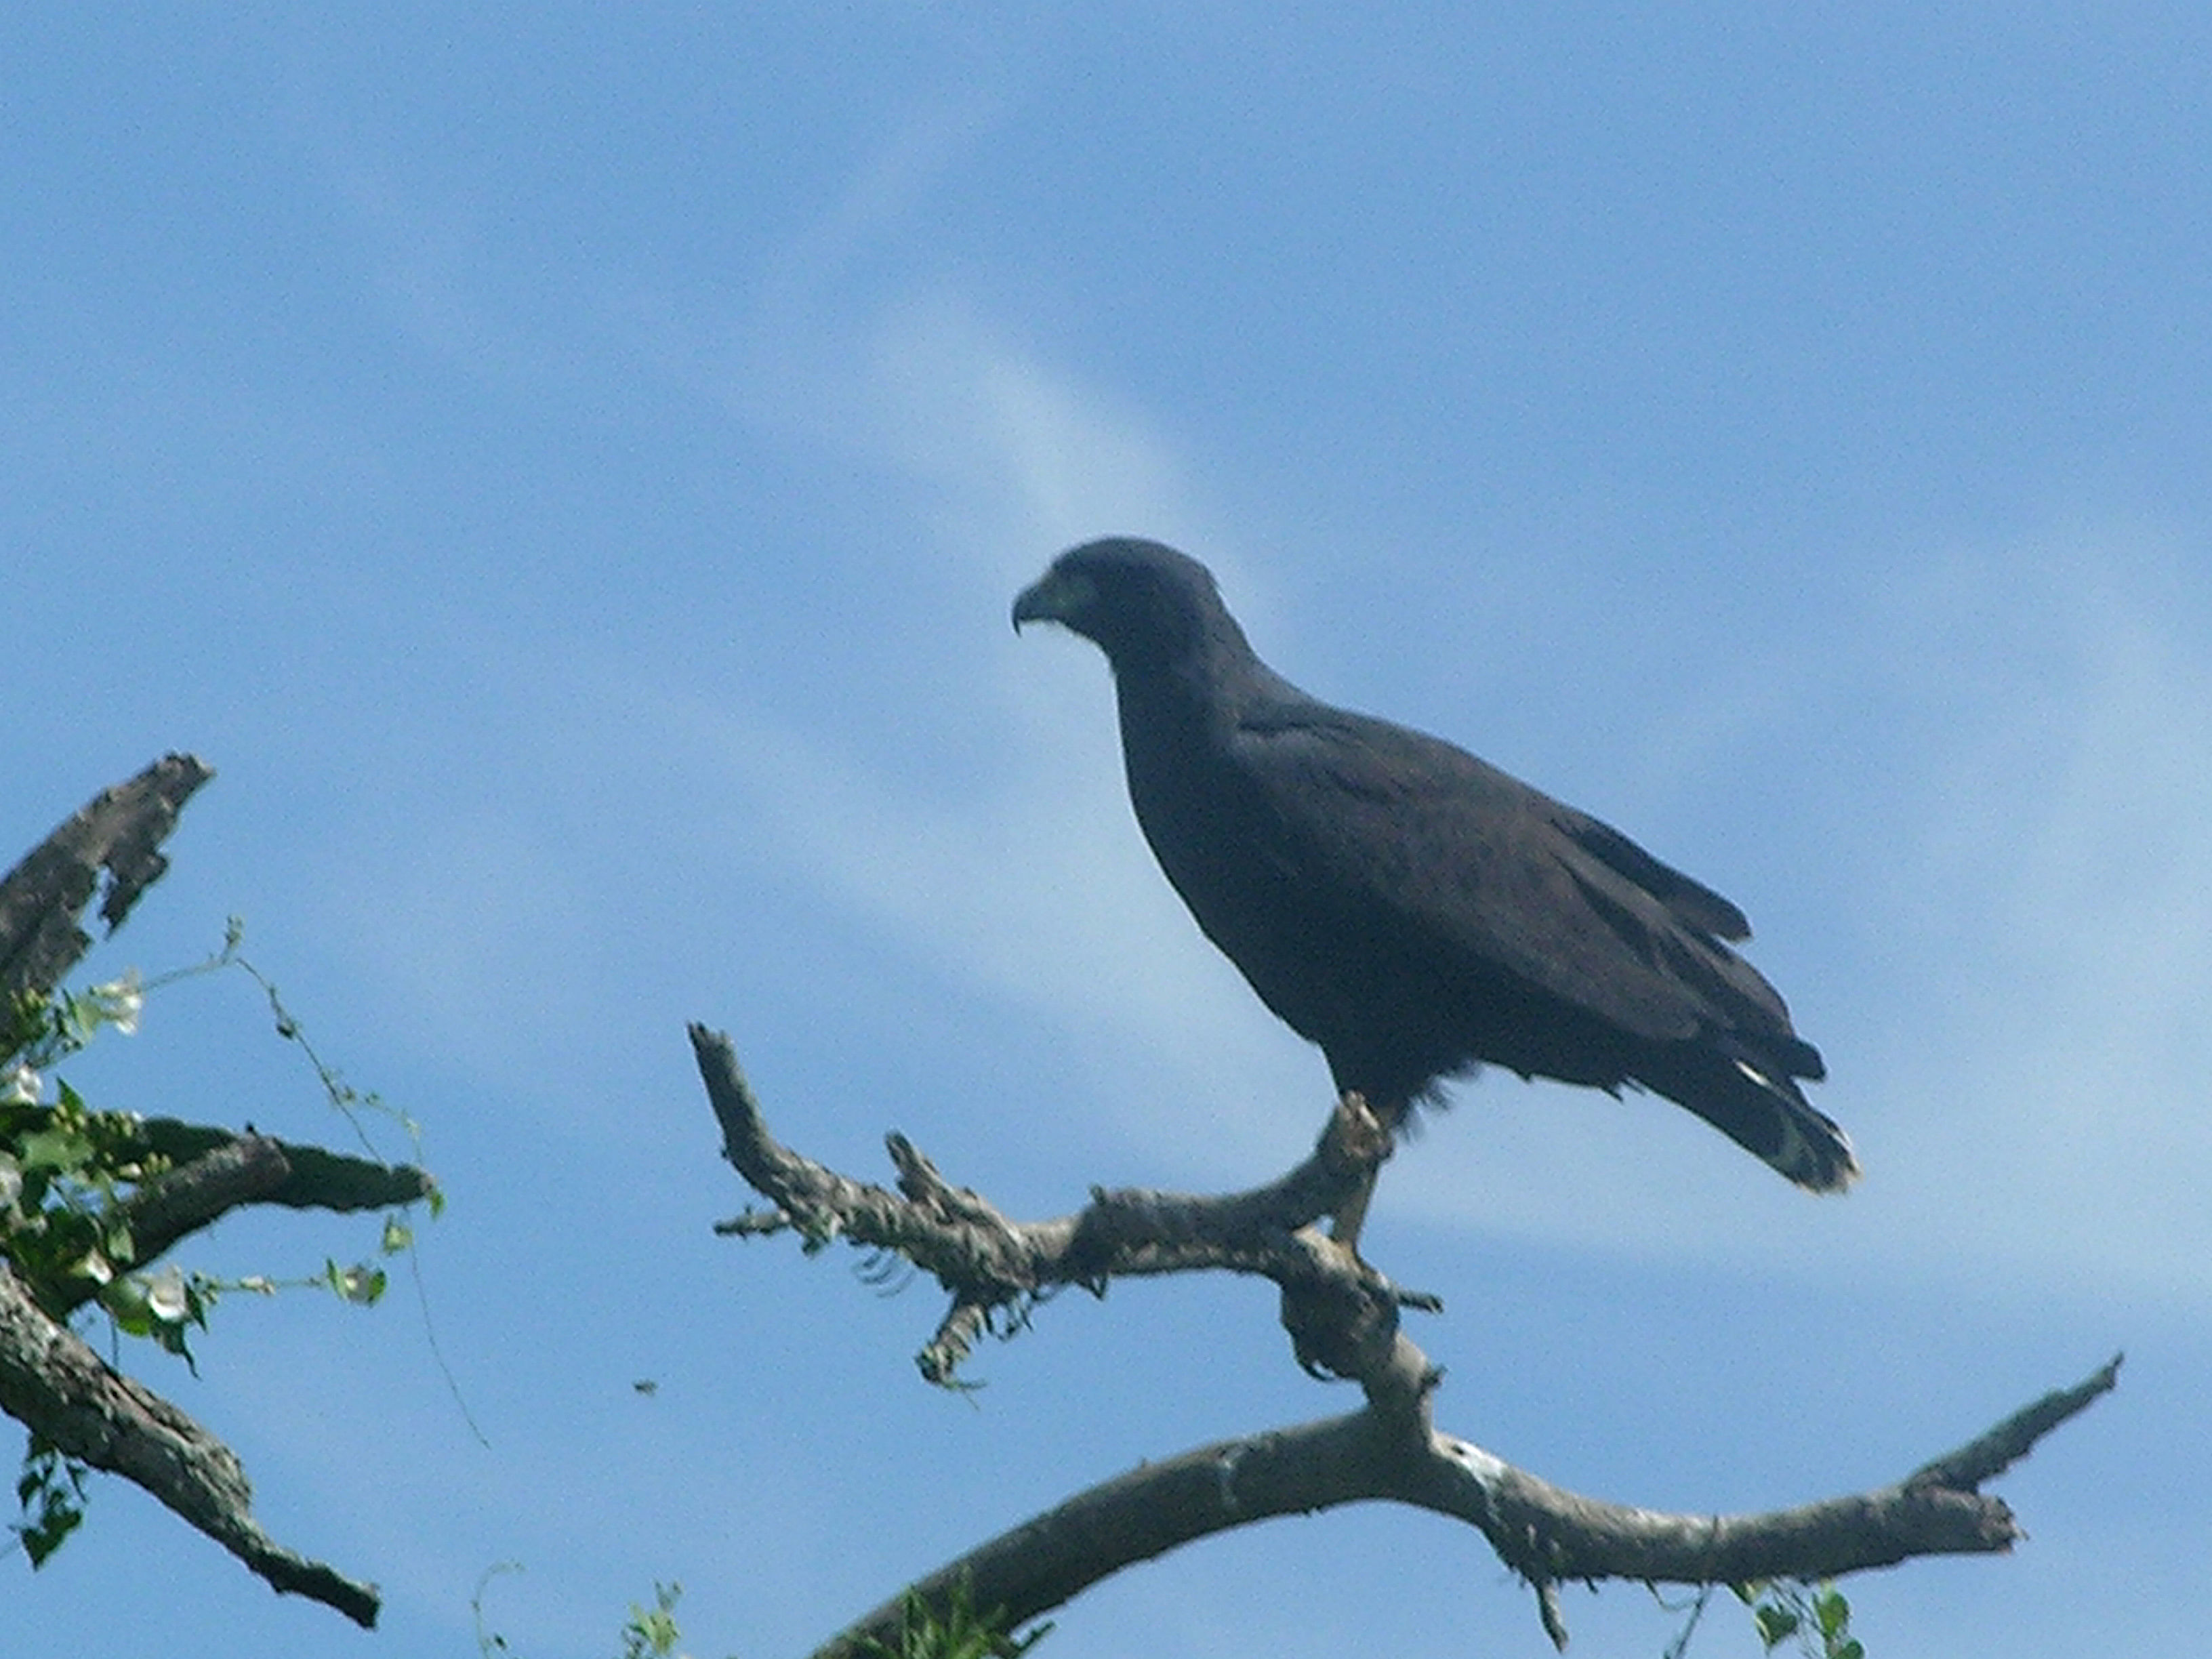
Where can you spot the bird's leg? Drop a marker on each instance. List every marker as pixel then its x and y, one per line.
pixel 1366 1136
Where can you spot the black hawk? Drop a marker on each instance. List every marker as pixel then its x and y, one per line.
pixel 1411 909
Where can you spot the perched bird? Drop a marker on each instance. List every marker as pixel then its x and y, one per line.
pixel 1411 909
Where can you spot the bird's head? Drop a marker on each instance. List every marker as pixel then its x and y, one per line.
pixel 1140 602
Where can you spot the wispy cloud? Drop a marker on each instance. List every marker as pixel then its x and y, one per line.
pixel 1038 886
pixel 2054 879
pixel 1021 451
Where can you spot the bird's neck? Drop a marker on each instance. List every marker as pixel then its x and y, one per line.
pixel 1178 732
pixel 1192 699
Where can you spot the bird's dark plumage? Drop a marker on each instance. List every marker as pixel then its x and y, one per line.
pixel 1411 909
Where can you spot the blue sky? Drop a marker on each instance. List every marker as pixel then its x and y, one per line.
pixel 569 468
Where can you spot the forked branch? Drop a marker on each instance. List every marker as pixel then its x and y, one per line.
pixel 995 1267
pixel 1342 1316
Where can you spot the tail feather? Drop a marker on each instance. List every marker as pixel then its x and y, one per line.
pixel 1761 1109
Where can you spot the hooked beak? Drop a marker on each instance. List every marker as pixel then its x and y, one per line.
pixel 1056 597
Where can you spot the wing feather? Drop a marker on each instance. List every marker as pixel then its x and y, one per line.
pixel 1470 863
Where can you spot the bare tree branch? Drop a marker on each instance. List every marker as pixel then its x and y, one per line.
pixel 1990 1455
pixel 120 830
pixel 50 1381
pixel 995 1267
pixel 317 1178
pixel 188 1198
pixel 1546 1533
pixel 1342 1318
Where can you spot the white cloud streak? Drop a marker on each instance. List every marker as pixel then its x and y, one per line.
pixel 2060 887
pixel 1017 461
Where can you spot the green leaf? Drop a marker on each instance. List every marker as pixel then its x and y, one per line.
pixel 1832 1612
pixel 60 1150
pixel 52 1492
pixel 128 1305
pixel 653 1634
pixel 1776 1624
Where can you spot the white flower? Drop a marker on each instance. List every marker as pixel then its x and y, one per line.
pixel 118 1003
pixel 360 1284
pixel 164 1297
pixel 20 1086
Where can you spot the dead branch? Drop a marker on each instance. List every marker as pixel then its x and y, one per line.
pixel 119 831
pixel 1546 1535
pixel 170 1207
pixel 1342 1317
pixel 316 1179
pixel 996 1268
pixel 50 1380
